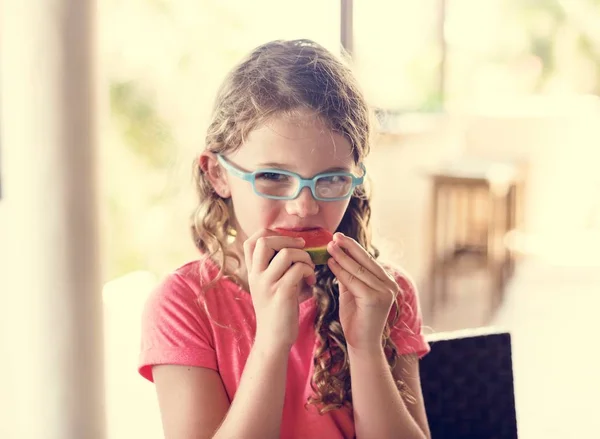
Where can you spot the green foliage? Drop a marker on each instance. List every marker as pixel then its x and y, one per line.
pixel 144 131
pixel 558 16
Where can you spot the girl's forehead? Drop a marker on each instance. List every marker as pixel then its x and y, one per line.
pixel 294 140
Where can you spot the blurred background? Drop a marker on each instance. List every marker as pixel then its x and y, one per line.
pixel 484 171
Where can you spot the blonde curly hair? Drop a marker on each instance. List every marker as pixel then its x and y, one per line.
pixel 280 78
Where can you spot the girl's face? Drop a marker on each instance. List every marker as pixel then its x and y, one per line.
pixel 300 144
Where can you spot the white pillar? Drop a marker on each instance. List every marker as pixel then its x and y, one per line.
pixel 50 284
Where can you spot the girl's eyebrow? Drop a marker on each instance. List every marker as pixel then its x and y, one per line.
pixel 293 168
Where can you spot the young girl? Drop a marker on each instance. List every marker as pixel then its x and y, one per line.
pixel 253 340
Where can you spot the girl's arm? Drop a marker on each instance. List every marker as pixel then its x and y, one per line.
pixel 192 402
pixel 194 405
pixel 379 409
pixel 367 293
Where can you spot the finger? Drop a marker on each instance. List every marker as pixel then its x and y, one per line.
pixel 360 255
pixel 291 280
pixel 250 245
pixel 342 288
pixel 283 260
pixel 353 267
pixel 348 281
pixel 267 246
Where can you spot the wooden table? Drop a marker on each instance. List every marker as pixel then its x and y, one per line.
pixel 474 204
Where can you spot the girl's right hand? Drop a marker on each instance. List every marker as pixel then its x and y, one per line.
pixel 277 267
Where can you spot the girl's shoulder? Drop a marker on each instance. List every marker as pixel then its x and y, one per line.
pixel 408 303
pixel 405 318
pixel 401 276
pixel 197 273
pixel 185 283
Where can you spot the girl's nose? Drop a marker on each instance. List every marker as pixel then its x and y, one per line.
pixel 304 205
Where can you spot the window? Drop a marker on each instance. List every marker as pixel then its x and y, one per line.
pixel 397 53
pixel 502 49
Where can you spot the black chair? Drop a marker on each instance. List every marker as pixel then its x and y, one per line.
pixel 468 387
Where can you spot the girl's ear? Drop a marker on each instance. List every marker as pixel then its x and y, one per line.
pixel 215 174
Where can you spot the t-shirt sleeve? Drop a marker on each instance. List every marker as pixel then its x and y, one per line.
pixel 175 329
pixel 407 332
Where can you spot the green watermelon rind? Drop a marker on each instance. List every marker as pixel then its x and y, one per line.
pixel 318 255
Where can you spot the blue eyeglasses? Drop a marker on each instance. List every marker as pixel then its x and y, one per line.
pixel 278 184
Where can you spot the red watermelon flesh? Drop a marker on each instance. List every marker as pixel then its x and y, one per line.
pixel 316 241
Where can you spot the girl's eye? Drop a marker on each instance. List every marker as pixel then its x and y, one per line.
pixel 333 179
pixel 273 176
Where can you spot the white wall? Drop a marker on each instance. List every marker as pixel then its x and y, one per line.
pixel 49 256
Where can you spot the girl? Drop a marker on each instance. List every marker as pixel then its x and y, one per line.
pixel 252 340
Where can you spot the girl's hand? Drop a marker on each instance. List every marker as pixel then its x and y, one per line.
pixel 367 293
pixel 277 267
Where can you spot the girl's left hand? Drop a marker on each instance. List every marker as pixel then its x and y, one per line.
pixel 367 293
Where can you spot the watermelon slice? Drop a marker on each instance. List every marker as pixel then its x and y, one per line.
pixel 316 241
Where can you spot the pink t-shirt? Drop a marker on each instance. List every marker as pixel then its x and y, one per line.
pixel 216 329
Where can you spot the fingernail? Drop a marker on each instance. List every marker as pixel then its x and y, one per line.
pixel 300 241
